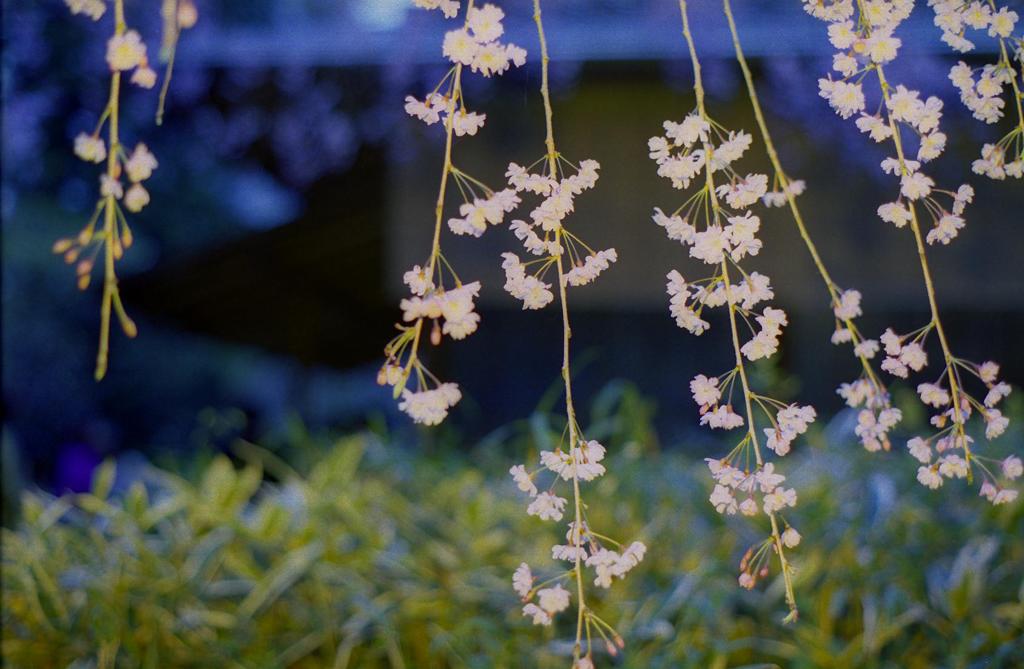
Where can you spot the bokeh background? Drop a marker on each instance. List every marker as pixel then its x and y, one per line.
pixel 293 192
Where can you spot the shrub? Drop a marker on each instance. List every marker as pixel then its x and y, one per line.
pixel 378 558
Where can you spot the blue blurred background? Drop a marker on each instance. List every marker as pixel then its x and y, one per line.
pixel 293 192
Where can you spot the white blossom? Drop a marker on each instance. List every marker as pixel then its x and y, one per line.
pixel 929 477
pixel 94 9
pixel 523 480
pixel 450 8
pixel 1012 467
pixel 920 450
pixel 136 198
pixel 553 600
pixel 140 164
pixel 126 51
pixel 705 391
pixel 539 615
pixel 90 148
pixel 430 407
pixel 547 506
pixel 722 417
pixel 522 580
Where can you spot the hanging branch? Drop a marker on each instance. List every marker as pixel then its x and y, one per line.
pixel 107 231
pixel 877 417
pixel 476 46
pixel 575 263
pixel 716 224
pixel 866 42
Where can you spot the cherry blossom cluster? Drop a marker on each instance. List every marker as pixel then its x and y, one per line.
pixel 107 232
pixel 863 48
pixel 439 300
pixel 859 33
pixel 583 548
pixel 948 453
pixel 982 89
pixel 126 52
pixel 477 46
pixel 763 485
pixel 703 233
pixel 744 482
pixel 716 225
pixel 545 236
pixel 876 416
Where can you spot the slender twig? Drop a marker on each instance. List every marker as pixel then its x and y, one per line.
pixel 111 246
pixel 740 366
pixel 570 412
pixel 784 183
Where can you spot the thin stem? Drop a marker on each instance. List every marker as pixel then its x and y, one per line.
pixel 570 412
pixel 109 214
pixel 165 86
pixel 949 358
pixel 449 129
pixel 740 366
pixel 446 170
pixel 783 180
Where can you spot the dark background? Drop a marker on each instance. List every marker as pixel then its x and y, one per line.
pixel 293 192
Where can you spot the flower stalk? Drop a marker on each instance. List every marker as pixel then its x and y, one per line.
pixel 717 216
pixel 444 303
pixel 126 53
pixel 576 460
pixel 570 410
pixel 836 294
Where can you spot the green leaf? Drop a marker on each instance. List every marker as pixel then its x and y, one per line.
pixel 218 481
pixel 103 478
pixel 205 554
pixel 136 501
pixel 280 578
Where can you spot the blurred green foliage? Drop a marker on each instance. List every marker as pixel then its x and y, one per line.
pixel 360 553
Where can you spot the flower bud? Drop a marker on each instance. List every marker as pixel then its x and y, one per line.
pixel 187 14
pixel 129 327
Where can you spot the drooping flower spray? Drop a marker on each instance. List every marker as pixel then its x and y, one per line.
pixel 984 96
pixel 864 35
pixel 876 417
pixel 577 459
pixel 721 234
pixel 440 301
pixel 107 232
